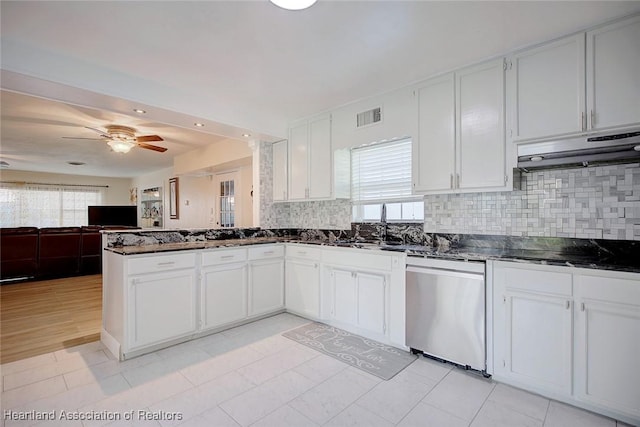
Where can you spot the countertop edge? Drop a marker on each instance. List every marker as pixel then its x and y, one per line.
pixel 466 256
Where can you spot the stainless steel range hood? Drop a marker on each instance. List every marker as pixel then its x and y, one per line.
pixel 580 152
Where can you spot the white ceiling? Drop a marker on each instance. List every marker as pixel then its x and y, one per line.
pixel 247 65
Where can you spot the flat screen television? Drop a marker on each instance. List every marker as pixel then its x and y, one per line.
pixel 113 215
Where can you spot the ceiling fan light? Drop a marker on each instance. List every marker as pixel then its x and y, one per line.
pixel 119 146
pixel 293 4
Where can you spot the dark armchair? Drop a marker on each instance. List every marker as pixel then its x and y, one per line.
pixel 18 252
pixel 59 251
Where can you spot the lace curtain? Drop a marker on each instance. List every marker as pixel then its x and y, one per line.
pixel 39 205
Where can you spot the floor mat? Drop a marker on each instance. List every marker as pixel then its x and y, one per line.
pixel 371 356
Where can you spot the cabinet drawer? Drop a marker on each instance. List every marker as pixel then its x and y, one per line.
pixel 550 282
pixel 266 251
pixel 304 252
pixel 361 259
pixel 223 256
pixel 155 263
pixel 621 290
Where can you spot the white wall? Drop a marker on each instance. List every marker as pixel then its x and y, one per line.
pixel 117 192
pixel 213 157
pixel 196 197
pixel 399 119
pixel 245 216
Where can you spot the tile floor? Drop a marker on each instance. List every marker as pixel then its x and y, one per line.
pixel 252 376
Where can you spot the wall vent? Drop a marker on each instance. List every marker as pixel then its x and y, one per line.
pixel 369 117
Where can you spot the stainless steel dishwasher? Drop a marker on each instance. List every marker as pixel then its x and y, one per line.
pixel 446 310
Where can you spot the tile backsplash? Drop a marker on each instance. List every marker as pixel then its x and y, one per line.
pixel 597 202
pixel 329 214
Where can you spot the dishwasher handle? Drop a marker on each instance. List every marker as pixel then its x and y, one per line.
pixel 442 272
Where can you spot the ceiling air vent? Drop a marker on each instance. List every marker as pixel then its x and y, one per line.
pixel 369 117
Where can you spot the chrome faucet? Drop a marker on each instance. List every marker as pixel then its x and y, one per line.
pixel 383 220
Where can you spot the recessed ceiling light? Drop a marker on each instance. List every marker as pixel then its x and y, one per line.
pixel 246 135
pixel 139 111
pixel 293 4
pixel 76 163
pixel 200 125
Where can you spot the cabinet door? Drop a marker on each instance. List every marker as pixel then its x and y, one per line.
pixel 302 281
pixel 608 342
pixel 538 338
pixel 298 162
pixel 434 149
pixel 613 75
pixel 320 174
pixel 344 301
pixel 161 306
pixel 481 149
pixel 224 295
pixel 280 171
pixel 266 286
pixel 372 302
pixel 546 95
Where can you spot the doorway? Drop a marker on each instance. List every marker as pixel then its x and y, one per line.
pixel 225 200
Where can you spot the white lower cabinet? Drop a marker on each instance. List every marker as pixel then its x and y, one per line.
pixel 302 287
pixel 223 295
pixel 363 292
pixel 266 279
pixel 359 300
pixel 372 302
pixel 344 296
pixel 537 332
pixel 570 334
pixel 162 306
pixel 608 342
pixel 154 300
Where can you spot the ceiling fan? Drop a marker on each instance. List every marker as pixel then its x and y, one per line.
pixel 122 139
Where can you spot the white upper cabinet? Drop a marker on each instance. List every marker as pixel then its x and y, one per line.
pixel 461 143
pixel 576 86
pixel 546 90
pixel 319 186
pixel 434 152
pixel 299 162
pixel 280 171
pixel 315 171
pixel 310 160
pixel 613 75
pixel 481 149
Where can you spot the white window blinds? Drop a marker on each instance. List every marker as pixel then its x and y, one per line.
pixel 381 172
pixel 45 205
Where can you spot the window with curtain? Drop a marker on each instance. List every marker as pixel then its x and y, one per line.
pixel 39 205
pixel 381 174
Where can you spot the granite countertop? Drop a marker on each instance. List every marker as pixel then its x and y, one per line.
pixel 186 246
pixel 545 257
pixel 530 256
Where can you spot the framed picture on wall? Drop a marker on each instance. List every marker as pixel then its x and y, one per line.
pixel 173 198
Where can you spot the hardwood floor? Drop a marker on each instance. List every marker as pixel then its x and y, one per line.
pixel 45 316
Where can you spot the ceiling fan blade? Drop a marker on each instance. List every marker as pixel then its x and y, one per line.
pixel 101 132
pixel 152 147
pixel 75 137
pixel 149 138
